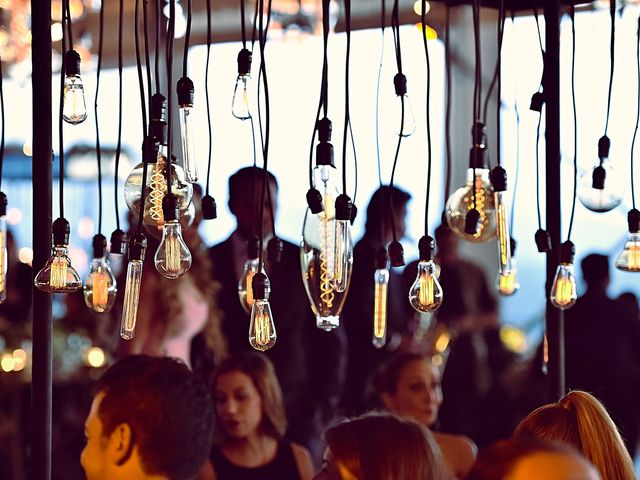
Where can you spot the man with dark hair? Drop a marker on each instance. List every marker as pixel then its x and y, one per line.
pixel 601 349
pixel 151 418
pixel 386 212
pixel 309 362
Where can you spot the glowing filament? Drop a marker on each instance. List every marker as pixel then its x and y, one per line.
pixel 426 290
pixel 157 189
pixel 380 311
pixel 564 289
pixel 100 292
pixel 326 262
pixel 131 299
pixel 507 283
pixel 479 205
pixel 58 277
pixel 504 247
pixel 262 330
pixel 3 262
pixel 172 252
pixel 634 257
pixel 249 300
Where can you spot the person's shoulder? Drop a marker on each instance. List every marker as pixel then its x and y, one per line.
pixel 458 451
pixel 303 460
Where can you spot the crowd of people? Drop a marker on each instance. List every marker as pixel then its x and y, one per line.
pixel 332 402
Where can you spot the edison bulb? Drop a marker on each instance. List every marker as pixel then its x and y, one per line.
pixel 262 329
pixel 185 92
pixel 343 253
pixel 502 233
pixel 425 294
pixel 381 282
pixel 74 107
pixel 563 291
pixel 508 284
pixel 601 189
pixel 241 102
pixel 629 258
pixel 100 286
pixel 137 250
pixel 3 247
pixel 155 190
pixel 403 106
pixel 172 258
pixel 58 275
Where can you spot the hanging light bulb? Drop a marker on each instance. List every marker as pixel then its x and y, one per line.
pixel 563 290
pixel 629 258
pixel 100 285
pixel 241 105
pixel 406 111
pixel 3 247
pixel 58 275
pixel 245 291
pixel 185 91
pixel 472 217
pixel 498 177
pixel 317 251
pixel 137 250
pixel 172 258
pixel 74 108
pixel 343 245
pixel 425 295
pixel 602 188
pixel 262 330
pixel 381 282
pixel 508 284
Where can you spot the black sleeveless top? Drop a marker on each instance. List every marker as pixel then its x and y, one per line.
pixel 282 467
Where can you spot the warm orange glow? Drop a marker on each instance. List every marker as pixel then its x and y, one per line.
pixel 100 292
pixel 380 310
pixel 507 284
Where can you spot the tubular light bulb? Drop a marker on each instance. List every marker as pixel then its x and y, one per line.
pixel 137 250
pixel 317 251
pixel 343 249
pixel 172 258
pixel 262 330
pixel 74 107
pixel 381 282
pixel 185 92
pixel 563 291
pixel 498 178
pixel 58 275
pixel 462 201
pixel 601 189
pixel 100 285
pixel 425 295
pixel 508 284
pixel 629 258
pixel 245 289
pixel 406 111
pixel 240 107
pixel 3 247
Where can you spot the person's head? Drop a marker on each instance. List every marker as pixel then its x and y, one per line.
pixel 381 446
pixel 595 271
pixel 380 204
pixel 580 420
pixel 151 416
pixel 531 460
pixel 446 243
pixel 247 398
pixel 245 189
pixel 630 302
pixel 409 384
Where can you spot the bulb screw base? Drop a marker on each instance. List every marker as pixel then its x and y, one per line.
pixel 274 250
pixel 472 222
pixel 537 101
pixel 261 286
pixel 185 91
pixel 209 208
pixel 314 201
pixel 119 242
pixel 137 247
pixel 253 247
pixel 567 252
pixel 604 144
pixel 396 254
pixel 633 220
pixel 498 179
pixel 324 149
pixel 426 247
pixel 598 177
pixel 61 231
pixel 244 62
pixel 543 241
pixel 3 204
pixel 170 208
pixel 381 259
pixel 99 244
pixel 158 114
pixel 343 207
pixel 400 84
pixel 324 130
pixel 71 63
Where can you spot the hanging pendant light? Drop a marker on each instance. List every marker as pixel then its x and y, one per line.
pixel 58 275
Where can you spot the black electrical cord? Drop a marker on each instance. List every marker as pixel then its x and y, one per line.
pixel 3 124
pixel 517 168
pixel 187 38
pixel 157 51
pixel 60 120
pixel 242 24
pixel 612 13
pixel 67 10
pixel 501 19
pixel 95 109
pixel 169 54
pixel 635 131
pixel 572 13
pixel 146 49
pixel 477 87
pixel 347 120
pixel 542 54
pixel 138 64
pixel 119 143
pixel 145 125
pixel 206 89
pixel 382 28
pixel 423 22
pixel 447 57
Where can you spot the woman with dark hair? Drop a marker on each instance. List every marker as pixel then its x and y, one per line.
pixel 409 384
pixel 381 446
pixel 250 424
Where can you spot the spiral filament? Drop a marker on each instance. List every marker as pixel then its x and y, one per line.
pixel 100 293
pixel 326 261
pixel 58 277
pixel 479 205
pixel 157 189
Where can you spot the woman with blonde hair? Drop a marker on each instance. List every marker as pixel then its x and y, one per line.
pixel 380 446
pixel 579 419
pixel 408 384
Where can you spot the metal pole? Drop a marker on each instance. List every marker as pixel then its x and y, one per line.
pixel 554 317
pixel 41 387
